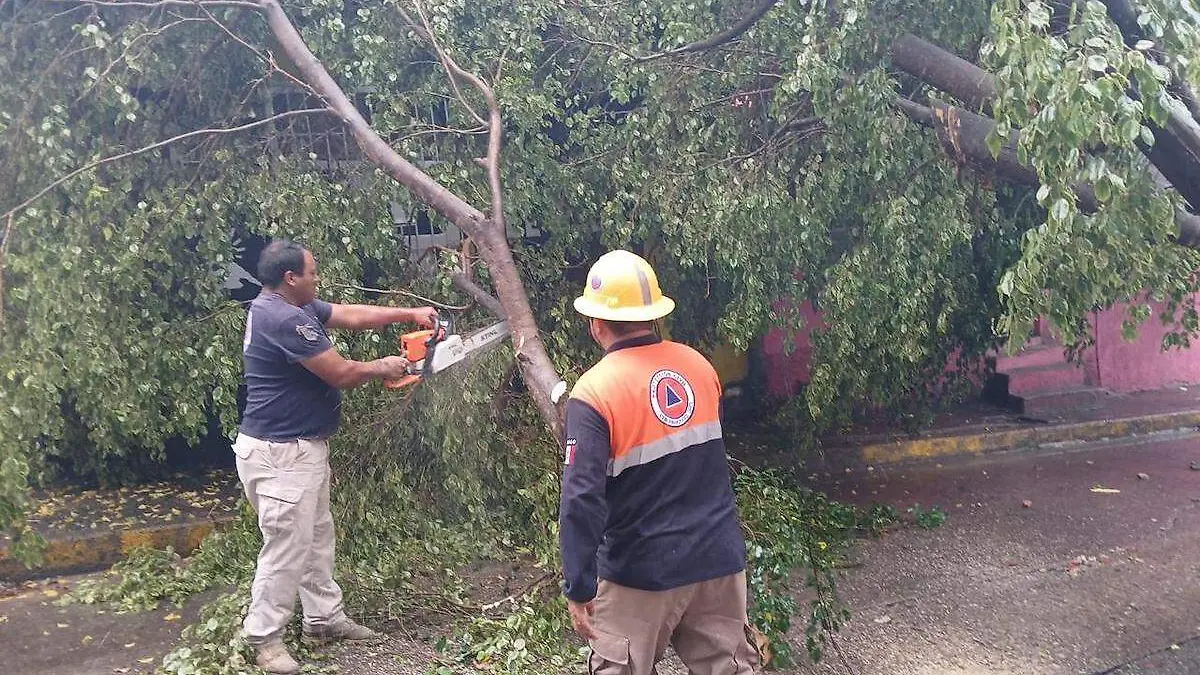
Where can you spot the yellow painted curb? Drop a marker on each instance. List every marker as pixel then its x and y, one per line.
pixel 98 551
pixel 980 443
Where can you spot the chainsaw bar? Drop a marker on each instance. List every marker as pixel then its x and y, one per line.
pixel 455 348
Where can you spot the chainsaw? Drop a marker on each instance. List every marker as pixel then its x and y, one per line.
pixel 432 351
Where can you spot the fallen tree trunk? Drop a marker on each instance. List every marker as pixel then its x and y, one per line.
pixel 1125 17
pixel 968 82
pixel 1171 153
pixel 964 137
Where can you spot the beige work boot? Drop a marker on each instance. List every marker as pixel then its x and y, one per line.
pixel 274 658
pixel 344 628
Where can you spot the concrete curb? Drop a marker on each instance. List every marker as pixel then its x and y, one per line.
pixel 983 442
pixel 95 551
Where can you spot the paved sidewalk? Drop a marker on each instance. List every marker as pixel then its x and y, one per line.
pixel 39 637
pixel 92 529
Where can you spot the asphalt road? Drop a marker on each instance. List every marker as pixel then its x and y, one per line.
pixel 1049 563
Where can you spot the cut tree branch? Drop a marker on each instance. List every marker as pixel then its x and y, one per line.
pixel 1171 153
pixel 536 367
pixel 462 214
pixel 453 71
pixel 495 123
pixel 407 294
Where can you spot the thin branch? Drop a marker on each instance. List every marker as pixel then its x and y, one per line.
pixel 266 57
pixel 500 64
pixel 425 188
pixel 53 17
pixel 163 3
pixel 407 294
pixel 495 123
pixel 154 146
pixel 609 45
pixel 10 215
pixel 720 38
pixel 529 588
pixel 452 69
pixel 4 242
pixel 434 129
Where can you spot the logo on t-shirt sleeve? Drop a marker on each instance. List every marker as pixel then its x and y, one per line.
pixel 569 459
pixel 308 332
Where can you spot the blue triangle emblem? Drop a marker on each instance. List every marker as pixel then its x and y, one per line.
pixel 673 399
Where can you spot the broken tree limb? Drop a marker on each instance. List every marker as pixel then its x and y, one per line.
pixel 1171 153
pixel 964 137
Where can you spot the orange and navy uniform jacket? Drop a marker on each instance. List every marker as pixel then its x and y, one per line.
pixel 647 500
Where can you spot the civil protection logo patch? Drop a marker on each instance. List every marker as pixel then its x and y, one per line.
pixel 672 398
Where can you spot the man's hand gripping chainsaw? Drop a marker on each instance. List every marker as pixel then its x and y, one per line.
pixel 431 351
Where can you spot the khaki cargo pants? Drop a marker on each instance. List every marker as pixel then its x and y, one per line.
pixel 288 486
pixel 706 624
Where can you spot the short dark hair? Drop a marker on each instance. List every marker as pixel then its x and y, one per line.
pixel 278 258
pixel 624 328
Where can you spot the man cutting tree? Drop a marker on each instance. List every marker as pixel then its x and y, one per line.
pixel 294 378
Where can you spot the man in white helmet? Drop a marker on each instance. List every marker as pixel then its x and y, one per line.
pixel 653 553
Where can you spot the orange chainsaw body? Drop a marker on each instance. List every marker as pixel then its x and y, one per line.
pixel 414 347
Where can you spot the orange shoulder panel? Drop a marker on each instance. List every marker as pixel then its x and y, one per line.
pixel 652 392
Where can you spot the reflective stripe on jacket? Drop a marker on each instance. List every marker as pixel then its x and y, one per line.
pixel 646 498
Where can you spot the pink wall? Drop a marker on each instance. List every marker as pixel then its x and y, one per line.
pixel 1140 365
pixel 1112 364
pixel 787 371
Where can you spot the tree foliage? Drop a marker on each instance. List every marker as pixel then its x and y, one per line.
pixel 770 165
pixel 760 156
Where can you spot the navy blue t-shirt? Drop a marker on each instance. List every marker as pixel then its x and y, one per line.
pixel 284 400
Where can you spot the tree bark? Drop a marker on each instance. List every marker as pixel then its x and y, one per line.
pixel 1177 155
pixel 974 86
pixel 536 367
